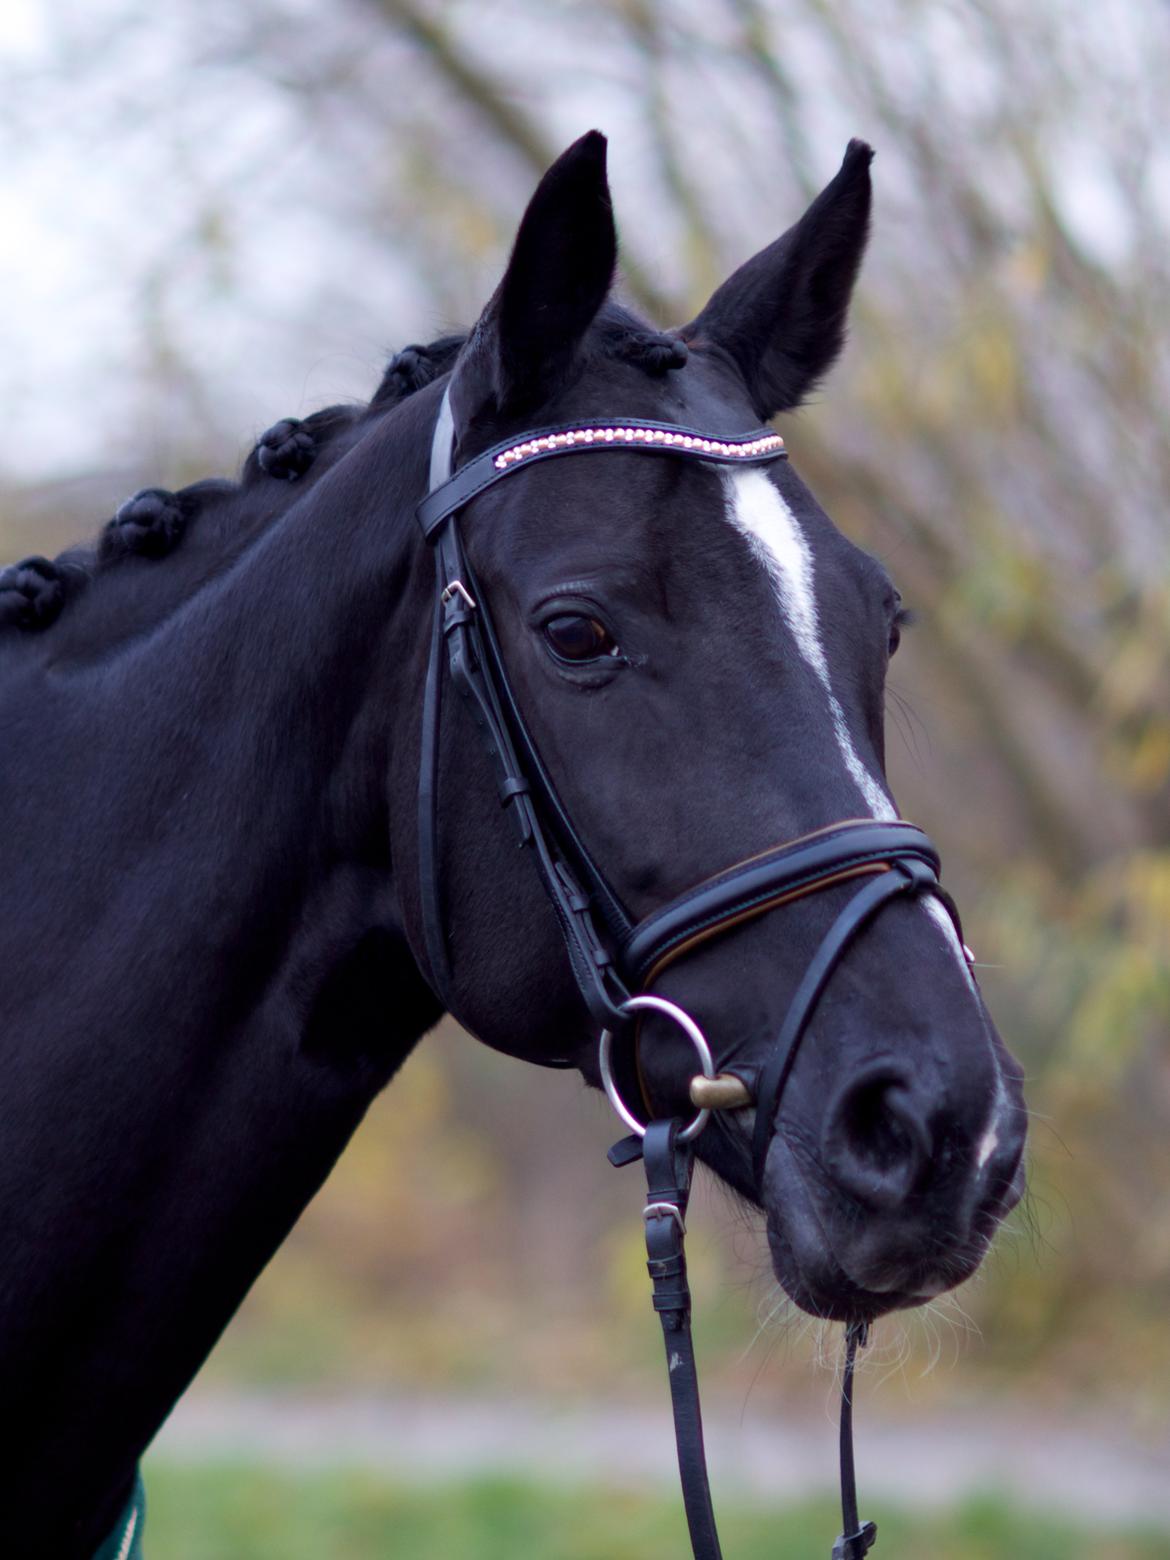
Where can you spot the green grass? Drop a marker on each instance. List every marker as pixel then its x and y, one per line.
pixel 240 1512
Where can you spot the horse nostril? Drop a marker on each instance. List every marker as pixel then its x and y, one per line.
pixel 877 1141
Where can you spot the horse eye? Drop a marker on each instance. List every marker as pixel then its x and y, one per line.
pixel 577 638
pixel 903 618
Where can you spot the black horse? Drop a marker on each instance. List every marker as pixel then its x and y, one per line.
pixel 212 952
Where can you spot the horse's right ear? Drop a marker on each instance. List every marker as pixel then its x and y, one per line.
pixel 559 275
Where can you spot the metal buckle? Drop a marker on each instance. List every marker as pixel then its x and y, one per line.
pixel 693 1033
pixel 655 1210
pixel 458 588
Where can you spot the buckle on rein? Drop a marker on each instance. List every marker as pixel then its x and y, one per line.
pixel 669 1159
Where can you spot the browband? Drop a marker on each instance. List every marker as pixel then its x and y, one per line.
pixel 452 492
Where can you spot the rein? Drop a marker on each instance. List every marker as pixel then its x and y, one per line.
pixel 613 957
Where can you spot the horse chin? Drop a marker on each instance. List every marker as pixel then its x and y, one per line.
pixel 842 1279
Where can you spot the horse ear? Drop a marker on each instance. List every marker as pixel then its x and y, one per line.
pixel 782 315
pixel 558 277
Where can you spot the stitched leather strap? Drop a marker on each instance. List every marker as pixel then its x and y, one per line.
pixel 458 628
pixel 668 1179
pixel 605 901
pixel 434 931
pixel 778 876
pixel 857 1537
pixel 485 470
pixel 907 875
pixel 668 1163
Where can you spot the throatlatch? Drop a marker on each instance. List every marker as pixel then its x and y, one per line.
pixel 609 954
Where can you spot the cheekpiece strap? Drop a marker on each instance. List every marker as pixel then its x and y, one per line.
pixel 463 644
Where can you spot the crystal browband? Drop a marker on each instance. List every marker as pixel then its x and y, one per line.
pixel 484 471
pixel 742 449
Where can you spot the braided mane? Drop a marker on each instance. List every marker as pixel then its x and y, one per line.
pixel 153 522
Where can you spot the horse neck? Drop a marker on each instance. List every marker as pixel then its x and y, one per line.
pixel 206 985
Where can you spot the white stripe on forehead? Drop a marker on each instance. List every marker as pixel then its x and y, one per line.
pixel 757 510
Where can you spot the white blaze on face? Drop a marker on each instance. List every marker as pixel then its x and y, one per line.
pixel 939 913
pixel 757 510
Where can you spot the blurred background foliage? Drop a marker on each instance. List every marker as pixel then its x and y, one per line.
pixel 221 214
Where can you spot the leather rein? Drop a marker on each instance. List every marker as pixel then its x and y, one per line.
pixel 612 956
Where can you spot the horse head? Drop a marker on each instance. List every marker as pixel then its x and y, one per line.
pixel 700 657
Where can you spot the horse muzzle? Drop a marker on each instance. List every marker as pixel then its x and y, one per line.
pixel 888 1209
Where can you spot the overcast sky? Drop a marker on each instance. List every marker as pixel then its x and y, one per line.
pixel 168 206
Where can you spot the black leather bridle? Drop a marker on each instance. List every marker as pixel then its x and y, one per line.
pixel 612 957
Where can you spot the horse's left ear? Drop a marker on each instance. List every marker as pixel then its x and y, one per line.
pixel 782 315
pixel 558 277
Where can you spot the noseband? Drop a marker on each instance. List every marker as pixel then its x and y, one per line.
pixel 614 957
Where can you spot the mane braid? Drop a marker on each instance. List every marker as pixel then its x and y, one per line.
pixel 287 449
pixel 152 523
pixel 33 591
pixel 148 525
pixel 653 351
pixel 416 367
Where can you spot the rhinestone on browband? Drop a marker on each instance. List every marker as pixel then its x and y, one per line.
pixel 765 445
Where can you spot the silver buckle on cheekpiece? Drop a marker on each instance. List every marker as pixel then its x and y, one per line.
pixel 664 1210
pixel 458 588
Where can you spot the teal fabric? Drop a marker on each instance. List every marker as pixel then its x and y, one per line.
pixel 125 1542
